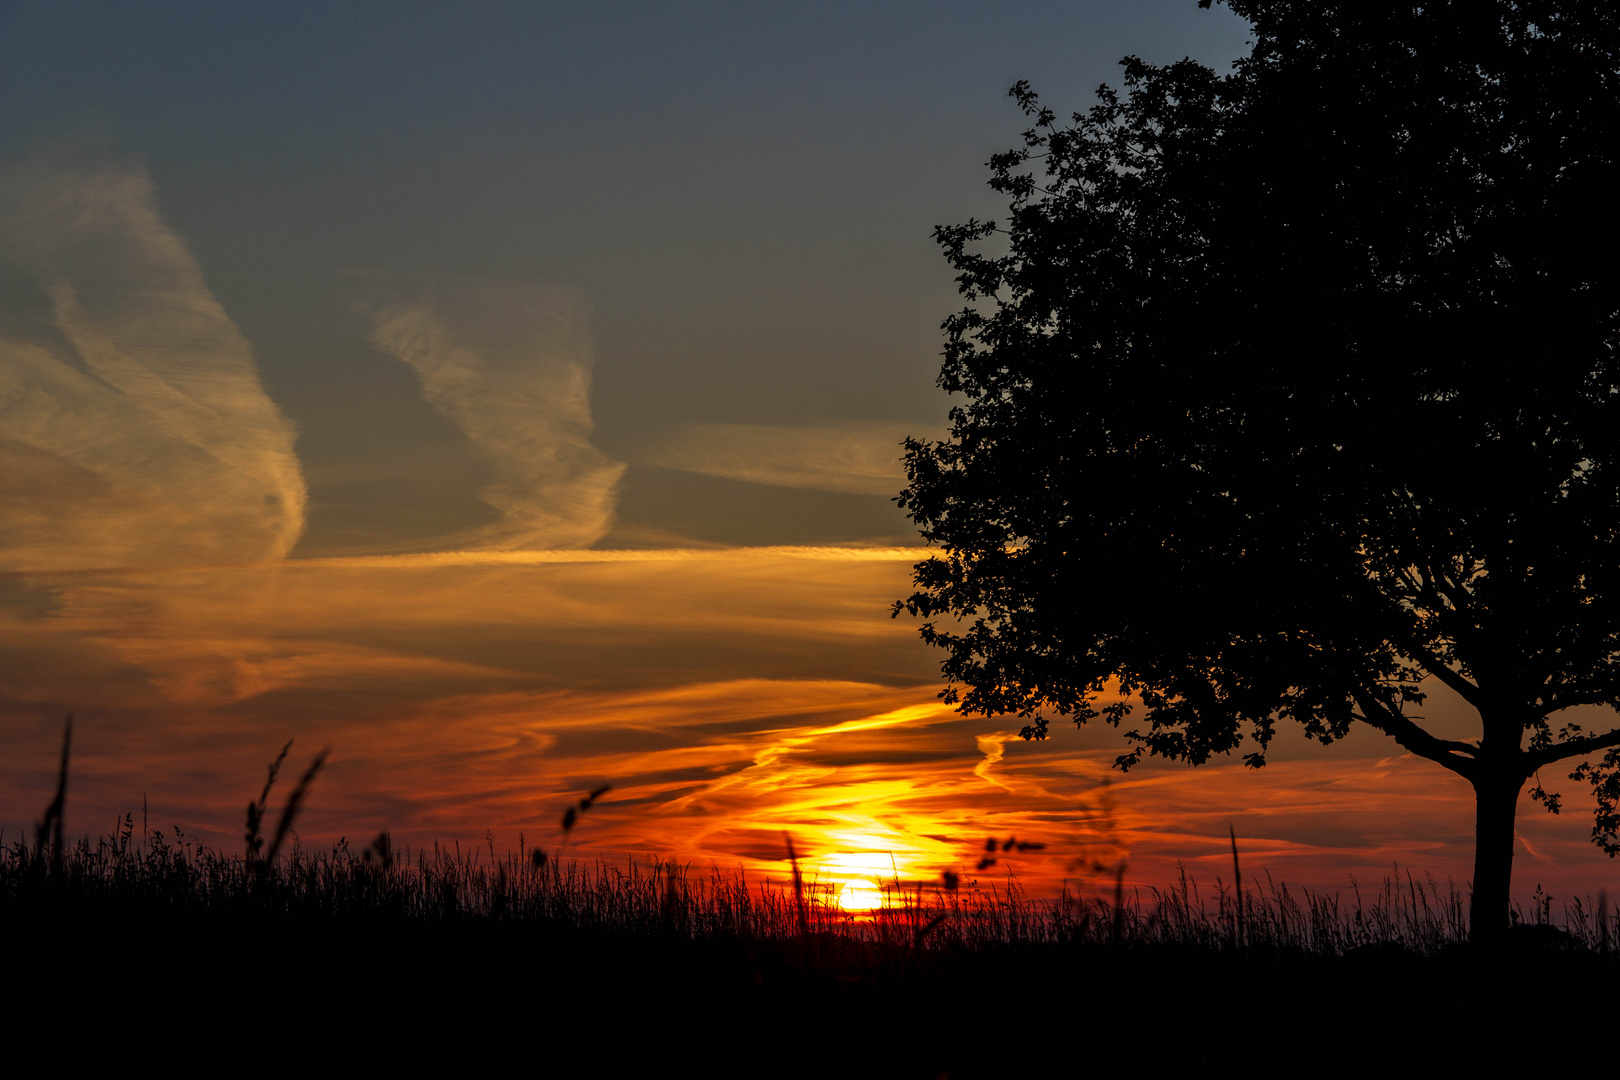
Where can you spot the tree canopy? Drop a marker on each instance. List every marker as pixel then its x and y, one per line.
pixel 1289 388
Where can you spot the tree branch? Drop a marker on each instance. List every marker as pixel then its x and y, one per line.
pixel 1444 752
pixel 1535 759
pixel 1442 671
pixel 1554 701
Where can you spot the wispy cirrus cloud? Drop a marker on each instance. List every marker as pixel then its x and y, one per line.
pixel 134 429
pixel 854 457
pixel 509 363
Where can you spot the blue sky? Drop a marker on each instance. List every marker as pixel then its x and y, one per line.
pixel 737 200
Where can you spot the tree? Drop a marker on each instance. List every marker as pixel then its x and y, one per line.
pixel 1290 388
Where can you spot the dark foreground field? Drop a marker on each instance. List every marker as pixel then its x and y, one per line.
pixel 441 959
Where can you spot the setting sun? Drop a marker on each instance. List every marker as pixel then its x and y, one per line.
pixel 859 896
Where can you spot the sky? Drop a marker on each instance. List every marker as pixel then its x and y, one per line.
pixel 508 397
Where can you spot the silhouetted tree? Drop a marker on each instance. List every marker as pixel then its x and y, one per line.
pixel 1290 388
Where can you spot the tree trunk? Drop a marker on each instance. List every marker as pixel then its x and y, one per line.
pixel 1496 801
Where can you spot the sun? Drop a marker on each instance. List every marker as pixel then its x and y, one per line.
pixel 859 895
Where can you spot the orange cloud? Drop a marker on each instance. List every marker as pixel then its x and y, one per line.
pixel 728 696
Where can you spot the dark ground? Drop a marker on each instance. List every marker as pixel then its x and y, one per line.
pixel 122 987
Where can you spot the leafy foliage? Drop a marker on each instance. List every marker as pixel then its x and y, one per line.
pixel 1288 388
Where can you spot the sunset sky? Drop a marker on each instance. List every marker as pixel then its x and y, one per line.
pixel 509 397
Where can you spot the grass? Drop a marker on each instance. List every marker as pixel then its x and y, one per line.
pixel 415 955
pixel 175 875
pixel 937 982
pixel 663 899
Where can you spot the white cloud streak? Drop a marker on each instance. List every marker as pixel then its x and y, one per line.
pixel 854 457
pixel 510 365
pixel 134 429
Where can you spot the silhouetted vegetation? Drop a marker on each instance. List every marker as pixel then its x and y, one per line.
pixel 465 938
pixel 1288 389
pixel 175 875
pixel 457 939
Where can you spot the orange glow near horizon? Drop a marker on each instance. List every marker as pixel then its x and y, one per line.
pixel 728 697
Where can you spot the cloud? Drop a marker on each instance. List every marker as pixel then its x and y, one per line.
pixel 135 428
pixel 728 696
pixel 510 365
pixel 749 555
pixel 461 621
pixel 855 457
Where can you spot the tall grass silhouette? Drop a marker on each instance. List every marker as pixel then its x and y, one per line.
pixel 665 898
pixel 941 978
